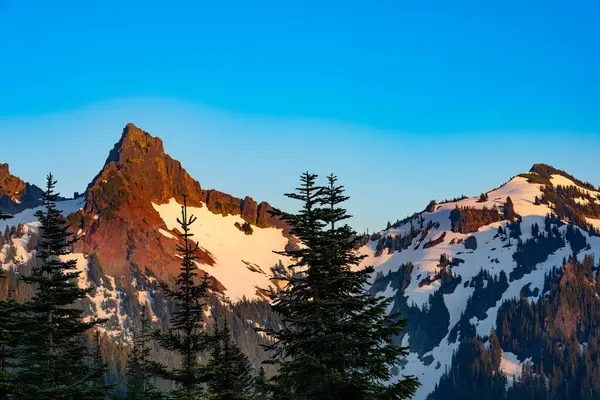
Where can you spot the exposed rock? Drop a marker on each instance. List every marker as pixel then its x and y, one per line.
pixel 435 242
pixel 15 194
pixel 136 174
pixel 245 227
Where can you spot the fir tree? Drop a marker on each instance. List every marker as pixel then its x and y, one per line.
pixel 3 215
pixel 336 339
pixel 262 387
pixel 495 350
pixel 8 334
pixel 99 385
pixel 186 336
pixel 140 368
pixel 229 372
pixel 52 354
pixel 509 209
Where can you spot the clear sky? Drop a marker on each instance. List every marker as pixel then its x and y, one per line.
pixel 405 100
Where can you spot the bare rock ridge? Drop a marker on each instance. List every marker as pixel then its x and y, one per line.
pixel 15 194
pixel 138 164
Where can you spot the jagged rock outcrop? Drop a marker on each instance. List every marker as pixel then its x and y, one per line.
pixel 119 221
pixel 15 194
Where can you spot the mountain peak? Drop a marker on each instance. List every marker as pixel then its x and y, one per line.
pixel 546 171
pixel 135 143
pixel 134 135
pixel 119 203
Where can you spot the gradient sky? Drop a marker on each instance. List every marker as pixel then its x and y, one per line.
pixel 405 100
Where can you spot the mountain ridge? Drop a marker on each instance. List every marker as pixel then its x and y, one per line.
pixel 452 268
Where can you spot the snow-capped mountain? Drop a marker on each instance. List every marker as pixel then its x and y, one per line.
pixel 449 269
pixel 453 265
pixel 127 225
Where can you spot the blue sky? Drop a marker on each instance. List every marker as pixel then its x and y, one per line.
pixel 404 100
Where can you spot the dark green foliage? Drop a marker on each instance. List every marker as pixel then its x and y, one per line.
pixel 470 243
pixel 514 228
pixel 245 227
pixel 488 290
pixel 454 200
pixel 483 198
pixel 495 350
pixel 544 331
pixel 560 332
pixel 575 238
pixel 186 336
pixel 9 335
pixel 140 367
pixel 52 355
pixel 535 178
pixel 427 326
pixel 431 206
pixel 536 250
pixel 99 386
pixel 335 340
pixel 531 385
pixel 435 241
pixel 546 171
pixel 509 210
pixel 467 220
pixel 3 215
pixel 262 387
pixel 566 208
pixel 229 372
pixel 474 375
pixel 396 242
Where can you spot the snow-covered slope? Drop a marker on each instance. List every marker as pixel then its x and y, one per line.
pixel 242 262
pixel 27 217
pixel 104 302
pixel 493 254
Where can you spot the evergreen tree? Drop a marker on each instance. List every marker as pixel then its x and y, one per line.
pixel 229 372
pixel 8 334
pixel 509 209
pixel 336 341
pixel 262 388
pixel 186 336
pixel 431 206
pixel 3 215
pixel 101 388
pixel 495 350
pixel 140 368
pixel 52 354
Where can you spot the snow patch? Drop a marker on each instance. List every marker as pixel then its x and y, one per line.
pixel 511 366
pixel 166 233
pixel 232 251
